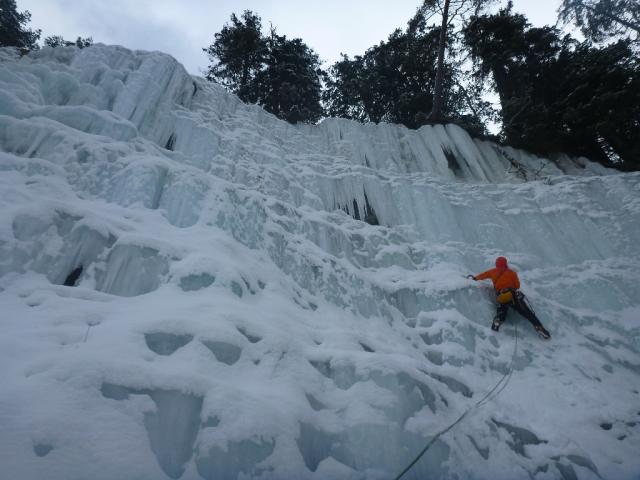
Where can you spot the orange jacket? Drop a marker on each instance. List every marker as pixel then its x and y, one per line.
pixel 501 278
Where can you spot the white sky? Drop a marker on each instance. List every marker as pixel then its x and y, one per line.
pixel 183 27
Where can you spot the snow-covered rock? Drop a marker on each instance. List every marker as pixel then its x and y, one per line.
pixel 263 300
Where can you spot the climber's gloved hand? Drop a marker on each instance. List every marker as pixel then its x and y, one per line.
pixel 472 277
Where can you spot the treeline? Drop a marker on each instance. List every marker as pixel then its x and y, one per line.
pixel 392 82
pixel 555 93
pixel 15 31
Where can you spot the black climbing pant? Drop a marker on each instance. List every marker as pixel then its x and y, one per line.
pixel 520 305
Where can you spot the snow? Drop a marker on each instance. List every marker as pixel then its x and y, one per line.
pixel 237 317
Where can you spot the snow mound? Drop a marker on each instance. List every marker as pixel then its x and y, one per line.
pixel 193 289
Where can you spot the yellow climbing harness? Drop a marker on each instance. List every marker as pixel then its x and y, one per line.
pixel 505 296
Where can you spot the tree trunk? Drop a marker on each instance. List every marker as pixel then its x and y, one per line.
pixel 438 97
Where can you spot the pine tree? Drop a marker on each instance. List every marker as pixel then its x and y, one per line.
pixel 13 27
pixel 602 19
pixel 289 86
pixel 343 89
pixel 58 41
pixel 599 102
pixel 237 55
pixel 282 75
pixel 394 81
pixel 558 94
pixel 449 11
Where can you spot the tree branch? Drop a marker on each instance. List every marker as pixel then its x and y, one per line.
pixel 613 17
pixel 468 99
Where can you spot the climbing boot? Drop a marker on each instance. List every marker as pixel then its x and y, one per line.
pixel 495 326
pixel 543 332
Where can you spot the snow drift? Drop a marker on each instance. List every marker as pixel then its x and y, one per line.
pixel 191 288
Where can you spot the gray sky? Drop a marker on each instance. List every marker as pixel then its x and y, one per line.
pixel 183 27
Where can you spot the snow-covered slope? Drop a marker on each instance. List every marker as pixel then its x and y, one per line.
pixel 235 317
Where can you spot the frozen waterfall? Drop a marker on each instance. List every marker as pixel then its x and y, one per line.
pixel 246 298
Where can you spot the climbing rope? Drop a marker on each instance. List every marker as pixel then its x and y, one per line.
pixel 493 393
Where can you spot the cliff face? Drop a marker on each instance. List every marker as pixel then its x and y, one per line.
pixel 254 299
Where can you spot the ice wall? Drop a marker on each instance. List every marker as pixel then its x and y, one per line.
pixel 263 300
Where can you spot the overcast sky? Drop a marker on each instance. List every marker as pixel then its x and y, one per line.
pixel 183 27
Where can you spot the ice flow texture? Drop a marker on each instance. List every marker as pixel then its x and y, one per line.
pixel 259 299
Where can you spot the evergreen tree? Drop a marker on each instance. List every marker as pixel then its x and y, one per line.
pixel 514 55
pixel 58 41
pixel 449 11
pixel 602 19
pixel 599 103
pixel 13 27
pixel 342 94
pixel 401 77
pixel 55 41
pixel 282 75
pixel 394 81
pixel 237 55
pixel 289 86
pixel 559 95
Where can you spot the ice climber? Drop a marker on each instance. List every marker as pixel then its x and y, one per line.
pixel 507 284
